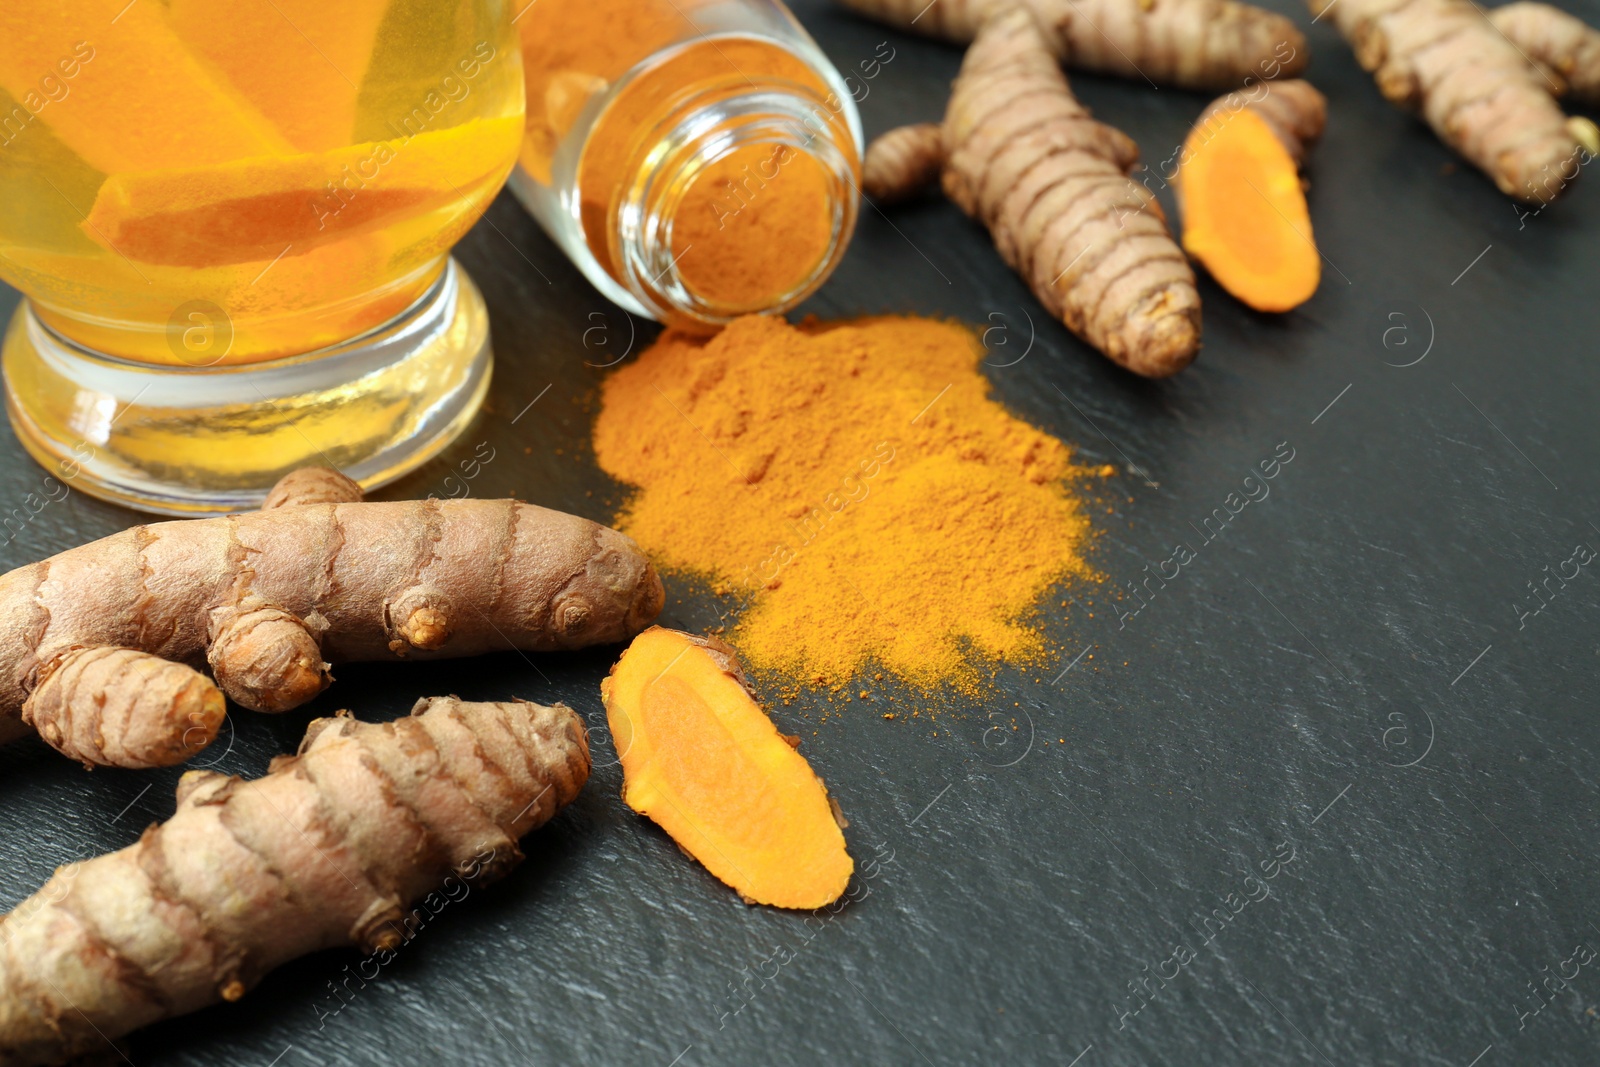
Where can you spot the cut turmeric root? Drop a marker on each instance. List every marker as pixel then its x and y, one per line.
pixel 701 759
pixel 1244 210
pixel 1295 109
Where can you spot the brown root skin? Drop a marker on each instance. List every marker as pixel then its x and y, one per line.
pixel 1445 60
pixel 702 760
pixel 312 485
pixel 1051 184
pixel 264 658
pixel 1188 44
pixel 335 846
pixel 1566 47
pixel 123 708
pixel 1294 110
pixel 269 596
pixel 902 162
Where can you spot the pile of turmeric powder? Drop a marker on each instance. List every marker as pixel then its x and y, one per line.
pixel 856 486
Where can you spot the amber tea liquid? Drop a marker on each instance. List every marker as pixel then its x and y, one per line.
pixel 211 184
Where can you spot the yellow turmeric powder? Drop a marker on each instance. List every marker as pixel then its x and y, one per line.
pixel 857 485
pixel 728 217
pixel 756 199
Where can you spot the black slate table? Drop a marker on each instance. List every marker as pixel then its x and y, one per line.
pixel 1346 690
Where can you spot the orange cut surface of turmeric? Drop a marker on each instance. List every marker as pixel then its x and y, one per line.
pixel 702 760
pixel 252 209
pixel 167 105
pixel 1244 213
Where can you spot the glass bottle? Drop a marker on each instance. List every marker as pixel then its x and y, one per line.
pixel 698 159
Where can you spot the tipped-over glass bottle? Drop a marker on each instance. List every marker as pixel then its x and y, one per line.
pixel 698 159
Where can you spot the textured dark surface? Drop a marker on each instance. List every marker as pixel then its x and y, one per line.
pixel 1360 618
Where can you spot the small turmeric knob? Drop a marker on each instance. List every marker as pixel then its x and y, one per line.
pixel 121 707
pixel 265 658
pixel 420 618
pixel 572 614
pixel 902 162
pixel 426 628
pixel 312 485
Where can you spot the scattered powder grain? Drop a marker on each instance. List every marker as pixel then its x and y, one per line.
pixel 856 486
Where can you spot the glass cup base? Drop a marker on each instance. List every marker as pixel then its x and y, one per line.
pixel 187 441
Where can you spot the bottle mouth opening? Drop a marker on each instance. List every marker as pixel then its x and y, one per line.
pixel 743 203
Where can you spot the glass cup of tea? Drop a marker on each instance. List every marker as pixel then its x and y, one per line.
pixel 232 220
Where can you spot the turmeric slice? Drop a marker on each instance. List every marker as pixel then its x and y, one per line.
pixel 1244 211
pixel 703 761
pixel 1295 109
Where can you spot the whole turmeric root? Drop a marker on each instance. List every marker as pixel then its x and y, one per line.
pixel 332 847
pixel 702 760
pixel 1566 47
pixel 1052 185
pixel 1445 59
pixel 267 597
pixel 1189 44
pixel 1244 209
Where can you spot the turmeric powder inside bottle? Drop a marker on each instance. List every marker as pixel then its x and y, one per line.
pixel 697 161
pixel 753 224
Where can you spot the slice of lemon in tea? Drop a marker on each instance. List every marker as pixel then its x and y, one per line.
pixel 257 209
pixel 118 87
pixel 301 62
